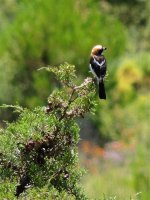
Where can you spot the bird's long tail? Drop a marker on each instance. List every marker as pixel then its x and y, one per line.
pixel 102 94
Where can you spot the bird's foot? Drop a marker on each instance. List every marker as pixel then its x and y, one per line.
pixel 95 80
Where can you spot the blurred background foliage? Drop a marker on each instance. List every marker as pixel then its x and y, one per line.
pixel 40 33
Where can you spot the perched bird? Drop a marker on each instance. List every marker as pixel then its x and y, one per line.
pixel 98 67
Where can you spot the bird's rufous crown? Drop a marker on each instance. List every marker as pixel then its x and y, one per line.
pixel 96 49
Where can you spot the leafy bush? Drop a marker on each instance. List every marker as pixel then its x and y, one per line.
pixel 39 150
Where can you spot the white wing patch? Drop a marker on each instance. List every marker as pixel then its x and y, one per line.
pixel 99 64
pixel 92 71
pixel 94 74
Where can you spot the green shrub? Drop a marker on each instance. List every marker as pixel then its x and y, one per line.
pixel 39 150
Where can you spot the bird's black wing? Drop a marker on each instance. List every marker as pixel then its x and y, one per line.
pixel 95 66
pixel 98 65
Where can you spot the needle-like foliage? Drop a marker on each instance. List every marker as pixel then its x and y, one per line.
pixel 38 152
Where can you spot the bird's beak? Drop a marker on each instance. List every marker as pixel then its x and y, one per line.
pixel 104 48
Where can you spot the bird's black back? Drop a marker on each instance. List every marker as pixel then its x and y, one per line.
pixel 99 65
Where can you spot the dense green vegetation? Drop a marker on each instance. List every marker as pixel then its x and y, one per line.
pixel 38 152
pixel 41 33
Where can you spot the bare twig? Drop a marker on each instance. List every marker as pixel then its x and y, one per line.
pixel 84 84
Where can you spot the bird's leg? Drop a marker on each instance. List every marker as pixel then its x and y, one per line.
pixel 101 79
pixel 95 80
